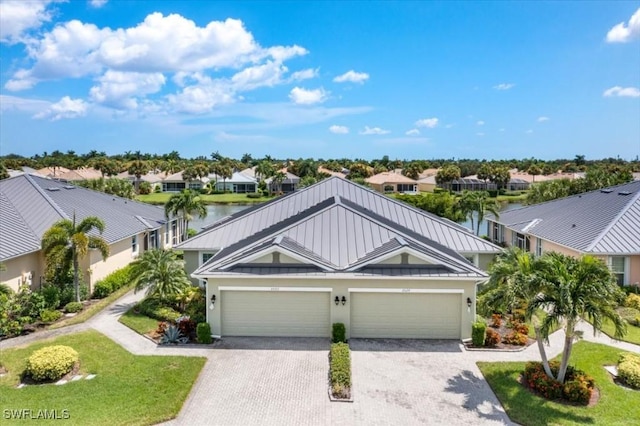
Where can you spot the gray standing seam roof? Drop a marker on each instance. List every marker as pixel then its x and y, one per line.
pixel 605 221
pixel 40 202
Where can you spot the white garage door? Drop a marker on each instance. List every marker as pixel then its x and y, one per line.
pixel 281 313
pixel 400 315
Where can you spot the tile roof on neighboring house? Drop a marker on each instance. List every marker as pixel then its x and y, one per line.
pixel 84 173
pixel 289 177
pixel 150 177
pixel 331 172
pixel 36 203
pixel 52 172
pixel 389 177
pixel 337 224
pixel 605 221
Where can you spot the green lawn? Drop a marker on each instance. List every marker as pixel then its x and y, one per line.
pixel 163 197
pixel 632 336
pixel 87 313
pixel 128 389
pixel 617 406
pixel 139 323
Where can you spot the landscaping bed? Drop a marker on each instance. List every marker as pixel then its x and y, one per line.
pixel 126 390
pixel 616 404
pixel 501 332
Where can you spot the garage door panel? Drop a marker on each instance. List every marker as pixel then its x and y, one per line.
pixel 293 314
pixel 416 316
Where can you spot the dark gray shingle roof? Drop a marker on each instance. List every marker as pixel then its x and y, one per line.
pixel 602 222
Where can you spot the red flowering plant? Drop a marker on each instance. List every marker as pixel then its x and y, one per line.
pixel 577 387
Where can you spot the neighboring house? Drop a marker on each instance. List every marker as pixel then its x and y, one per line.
pixel 386 182
pixel 338 252
pixel 341 174
pixel 76 175
pixel 472 183
pixel 427 183
pixel 52 172
pixel 175 183
pixel 604 223
pixel 30 205
pixel 155 179
pixel 237 183
pixel 287 185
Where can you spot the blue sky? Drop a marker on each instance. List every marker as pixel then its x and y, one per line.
pixel 321 79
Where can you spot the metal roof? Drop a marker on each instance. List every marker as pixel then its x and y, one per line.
pixel 333 232
pixel 605 221
pixel 235 228
pixel 37 203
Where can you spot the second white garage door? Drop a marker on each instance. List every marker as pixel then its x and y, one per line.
pixel 400 315
pixel 280 313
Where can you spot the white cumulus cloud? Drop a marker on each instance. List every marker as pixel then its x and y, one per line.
pixel 119 89
pixel 504 86
pixel 304 74
pixel 339 130
pixel 65 108
pixel 301 96
pixel 98 3
pixel 352 77
pixel 374 131
pixel 542 119
pixel 427 122
pixel 622 33
pixel 631 92
pixel 19 16
pixel 412 132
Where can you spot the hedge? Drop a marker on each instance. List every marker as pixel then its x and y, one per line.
pixel 338 333
pixel 629 369
pixel 478 333
pixel 340 370
pixel 203 331
pixel 153 308
pixel 112 282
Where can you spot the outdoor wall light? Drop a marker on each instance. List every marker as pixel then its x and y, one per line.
pixel 213 301
pixel 469 304
pixel 344 300
pixel 337 300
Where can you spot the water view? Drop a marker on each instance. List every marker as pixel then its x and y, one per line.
pixel 483 225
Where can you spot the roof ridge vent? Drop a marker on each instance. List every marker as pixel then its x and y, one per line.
pixel 624 193
pixel 53 188
pixel 606 190
pixel 69 187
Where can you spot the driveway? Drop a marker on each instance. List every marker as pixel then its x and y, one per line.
pixel 283 381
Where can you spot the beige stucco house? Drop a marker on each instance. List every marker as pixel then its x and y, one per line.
pixel 338 252
pixel 386 182
pixel 29 205
pixel 604 223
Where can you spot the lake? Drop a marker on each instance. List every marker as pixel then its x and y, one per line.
pixel 218 211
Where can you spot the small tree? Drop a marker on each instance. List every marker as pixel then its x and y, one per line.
pixel 186 203
pixel 160 272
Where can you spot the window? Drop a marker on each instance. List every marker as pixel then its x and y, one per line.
pixel 388 188
pixel 153 239
pixel 520 240
pixel 538 247
pixel 618 265
pixel 174 232
pixel 134 244
pixel 497 232
pixel 472 258
pixel 206 257
pixel 406 187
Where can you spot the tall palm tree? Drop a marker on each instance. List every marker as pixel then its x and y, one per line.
pixel 138 168
pixel 571 289
pixel 278 178
pixel 67 241
pixel 476 204
pixel 186 203
pixel 160 272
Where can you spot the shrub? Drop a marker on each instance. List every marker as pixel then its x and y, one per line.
pixel 203 331
pixel 73 307
pixel 50 315
pixel 112 282
pixel 496 320
pixel 492 338
pixel 5 289
pixel 254 195
pixel 578 386
pixel 51 363
pixel 30 303
pixel 338 333
pixel 515 338
pixel 173 335
pixel 51 295
pixel 144 188
pixel 631 289
pixel 629 369
pixel 153 308
pixel 520 327
pixel 478 330
pixel 628 314
pixel 632 301
pixel 340 369
pixel 518 315
pixel 186 325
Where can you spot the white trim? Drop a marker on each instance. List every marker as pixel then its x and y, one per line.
pixel 274 249
pixel 407 290
pixel 276 289
pixel 339 276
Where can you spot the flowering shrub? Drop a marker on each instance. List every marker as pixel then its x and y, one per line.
pixel 51 362
pixel 492 338
pixel 629 369
pixel 496 320
pixel 632 301
pixel 515 338
pixel 578 386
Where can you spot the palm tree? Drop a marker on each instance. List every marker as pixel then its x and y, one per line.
pixel 138 168
pixel 161 272
pixel 186 203
pixel 571 289
pixel 68 242
pixel 278 178
pixel 476 204
pixel 264 170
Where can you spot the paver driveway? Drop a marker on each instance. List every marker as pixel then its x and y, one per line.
pixel 280 381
